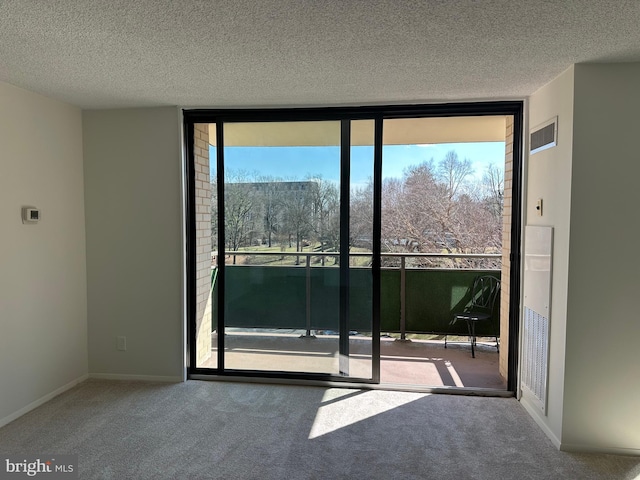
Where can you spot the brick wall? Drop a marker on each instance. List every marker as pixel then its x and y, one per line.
pixel 506 249
pixel 203 244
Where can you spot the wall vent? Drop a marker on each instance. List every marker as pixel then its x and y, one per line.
pixel 535 354
pixel 544 136
pixel 534 373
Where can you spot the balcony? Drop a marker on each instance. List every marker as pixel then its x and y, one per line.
pixel 281 314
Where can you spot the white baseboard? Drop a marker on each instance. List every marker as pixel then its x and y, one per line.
pixel 535 413
pixel 139 378
pixel 580 448
pixel 10 418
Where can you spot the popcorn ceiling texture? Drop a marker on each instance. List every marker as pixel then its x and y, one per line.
pixel 122 53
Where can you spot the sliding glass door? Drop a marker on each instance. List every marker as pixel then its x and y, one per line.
pixel 292 281
pixel 311 231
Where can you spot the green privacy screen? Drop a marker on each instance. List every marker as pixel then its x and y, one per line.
pixel 275 297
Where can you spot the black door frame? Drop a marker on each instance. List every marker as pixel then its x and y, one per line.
pixel 344 114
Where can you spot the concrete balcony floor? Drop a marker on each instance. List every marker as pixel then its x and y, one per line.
pixel 421 363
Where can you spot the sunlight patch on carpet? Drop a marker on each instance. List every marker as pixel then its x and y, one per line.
pixel 341 408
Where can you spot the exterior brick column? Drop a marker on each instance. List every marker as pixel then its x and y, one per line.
pixel 506 249
pixel 203 243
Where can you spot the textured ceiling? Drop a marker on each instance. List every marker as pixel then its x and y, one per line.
pixel 225 53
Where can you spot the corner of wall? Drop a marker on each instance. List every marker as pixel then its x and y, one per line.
pixel 540 420
pixel 43 302
pixel 548 176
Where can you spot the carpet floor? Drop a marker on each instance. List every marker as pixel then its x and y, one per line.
pixel 217 430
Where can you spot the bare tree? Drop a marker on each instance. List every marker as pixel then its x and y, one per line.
pixel 271 203
pixel 423 212
pixel 361 216
pixel 325 201
pixel 239 211
pixel 434 207
pixel 437 209
pixel 493 189
pixel 493 201
pixel 453 173
pixel 297 212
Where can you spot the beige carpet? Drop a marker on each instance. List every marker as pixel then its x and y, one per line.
pixel 216 430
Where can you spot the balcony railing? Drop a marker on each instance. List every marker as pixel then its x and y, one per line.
pixel 415 297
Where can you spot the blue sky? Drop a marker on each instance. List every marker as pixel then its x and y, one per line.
pixel 299 163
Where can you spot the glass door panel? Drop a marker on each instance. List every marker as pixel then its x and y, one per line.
pixel 441 210
pixel 281 259
pixel 361 335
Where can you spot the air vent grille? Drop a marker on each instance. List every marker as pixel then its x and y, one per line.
pixel 535 355
pixel 544 136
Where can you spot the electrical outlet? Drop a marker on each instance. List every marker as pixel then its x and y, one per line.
pixel 122 343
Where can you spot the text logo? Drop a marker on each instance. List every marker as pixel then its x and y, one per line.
pixel 52 467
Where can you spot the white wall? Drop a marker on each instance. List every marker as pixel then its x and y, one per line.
pixel 602 386
pixel 43 310
pixel 589 186
pixel 134 241
pixel 549 178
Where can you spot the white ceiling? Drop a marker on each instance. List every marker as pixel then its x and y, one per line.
pixel 226 53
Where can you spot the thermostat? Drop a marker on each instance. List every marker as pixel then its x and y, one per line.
pixel 30 215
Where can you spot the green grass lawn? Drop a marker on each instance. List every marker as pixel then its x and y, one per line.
pixel 278 259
